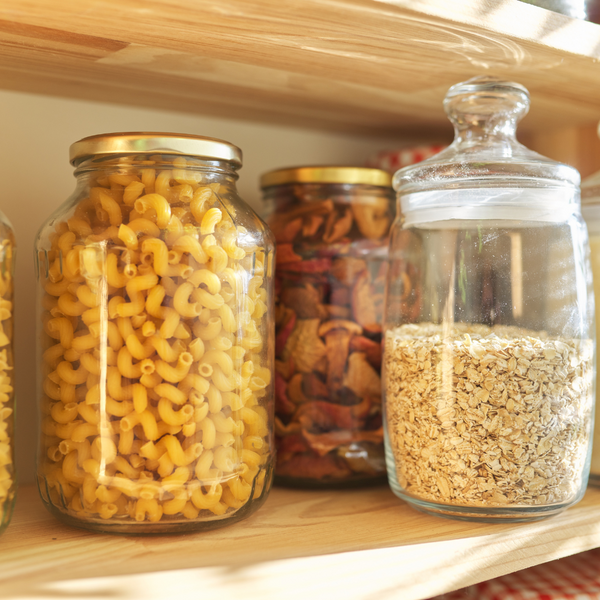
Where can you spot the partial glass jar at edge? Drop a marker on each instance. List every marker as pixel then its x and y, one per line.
pixel 590 208
pixel 8 483
pixel 331 226
pixel 488 385
pixel 155 340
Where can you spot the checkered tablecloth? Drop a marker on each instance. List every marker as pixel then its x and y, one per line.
pixel 392 160
pixel 576 577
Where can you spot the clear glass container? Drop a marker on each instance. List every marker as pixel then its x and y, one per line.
pixel 489 384
pixel 588 10
pixel 8 482
pixel 331 226
pixel 590 208
pixel 156 339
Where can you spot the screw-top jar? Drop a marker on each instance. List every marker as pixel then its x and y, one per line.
pixel 8 482
pixel 156 340
pixel 331 226
pixel 488 385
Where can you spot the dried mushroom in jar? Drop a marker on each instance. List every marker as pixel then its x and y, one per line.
pixel 330 278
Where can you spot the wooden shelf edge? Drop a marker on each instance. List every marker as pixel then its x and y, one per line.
pixel 534 24
pixel 366 541
pixel 358 66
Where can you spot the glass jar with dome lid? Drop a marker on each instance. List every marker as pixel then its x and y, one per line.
pixel 489 385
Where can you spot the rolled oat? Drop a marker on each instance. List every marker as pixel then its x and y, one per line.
pixel 481 416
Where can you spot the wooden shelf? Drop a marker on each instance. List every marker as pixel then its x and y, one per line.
pixel 358 66
pixel 370 66
pixel 356 543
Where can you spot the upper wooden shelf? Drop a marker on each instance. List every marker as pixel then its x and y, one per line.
pixel 301 544
pixel 363 66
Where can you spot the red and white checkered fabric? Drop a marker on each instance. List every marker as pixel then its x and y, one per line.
pixel 392 160
pixel 576 577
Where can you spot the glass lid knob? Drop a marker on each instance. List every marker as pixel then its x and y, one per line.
pixel 486 105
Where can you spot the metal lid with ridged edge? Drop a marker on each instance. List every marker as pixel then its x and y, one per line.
pixel 327 174
pixel 181 144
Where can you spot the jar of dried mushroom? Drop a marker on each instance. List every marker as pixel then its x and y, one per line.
pixel 590 208
pixel 331 226
pixel 8 482
pixel 489 382
pixel 156 334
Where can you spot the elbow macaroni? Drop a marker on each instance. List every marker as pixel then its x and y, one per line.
pixel 152 346
pixel 7 474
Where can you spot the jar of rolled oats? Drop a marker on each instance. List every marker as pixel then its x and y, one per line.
pixel 156 339
pixel 331 226
pixel 488 386
pixel 590 208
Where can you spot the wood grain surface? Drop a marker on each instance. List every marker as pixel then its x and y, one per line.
pixel 353 65
pixel 576 146
pixel 369 542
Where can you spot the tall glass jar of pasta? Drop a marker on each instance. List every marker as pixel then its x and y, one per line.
pixel 7 467
pixel 156 339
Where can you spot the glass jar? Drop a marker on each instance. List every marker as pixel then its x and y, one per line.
pixel 489 383
pixel 331 226
pixel 588 10
pixel 8 483
pixel 590 208
pixel 156 339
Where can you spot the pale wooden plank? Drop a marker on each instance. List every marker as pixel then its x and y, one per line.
pixel 355 65
pixel 576 146
pixel 367 540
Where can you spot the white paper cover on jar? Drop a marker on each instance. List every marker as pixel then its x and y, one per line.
pixel 547 205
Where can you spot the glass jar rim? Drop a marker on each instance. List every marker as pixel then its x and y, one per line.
pixel 180 144
pixel 327 174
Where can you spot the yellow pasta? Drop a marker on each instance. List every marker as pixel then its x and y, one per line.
pixel 132 192
pixel 135 287
pixel 144 226
pixel 7 474
pixel 64 413
pixel 218 259
pixel 147 421
pixel 175 395
pixel 200 201
pixel 191 245
pixel 159 206
pixel 173 417
pixel 181 301
pixel 196 349
pixel 230 246
pixel 209 221
pixel 111 206
pixel 155 319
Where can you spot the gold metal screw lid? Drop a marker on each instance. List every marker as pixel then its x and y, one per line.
pixel 160 143
pixel 327 174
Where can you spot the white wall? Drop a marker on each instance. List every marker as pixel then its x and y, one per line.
pixel 36 178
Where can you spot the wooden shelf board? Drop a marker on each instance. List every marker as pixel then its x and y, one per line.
pixel 367 541
pixel 363 66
